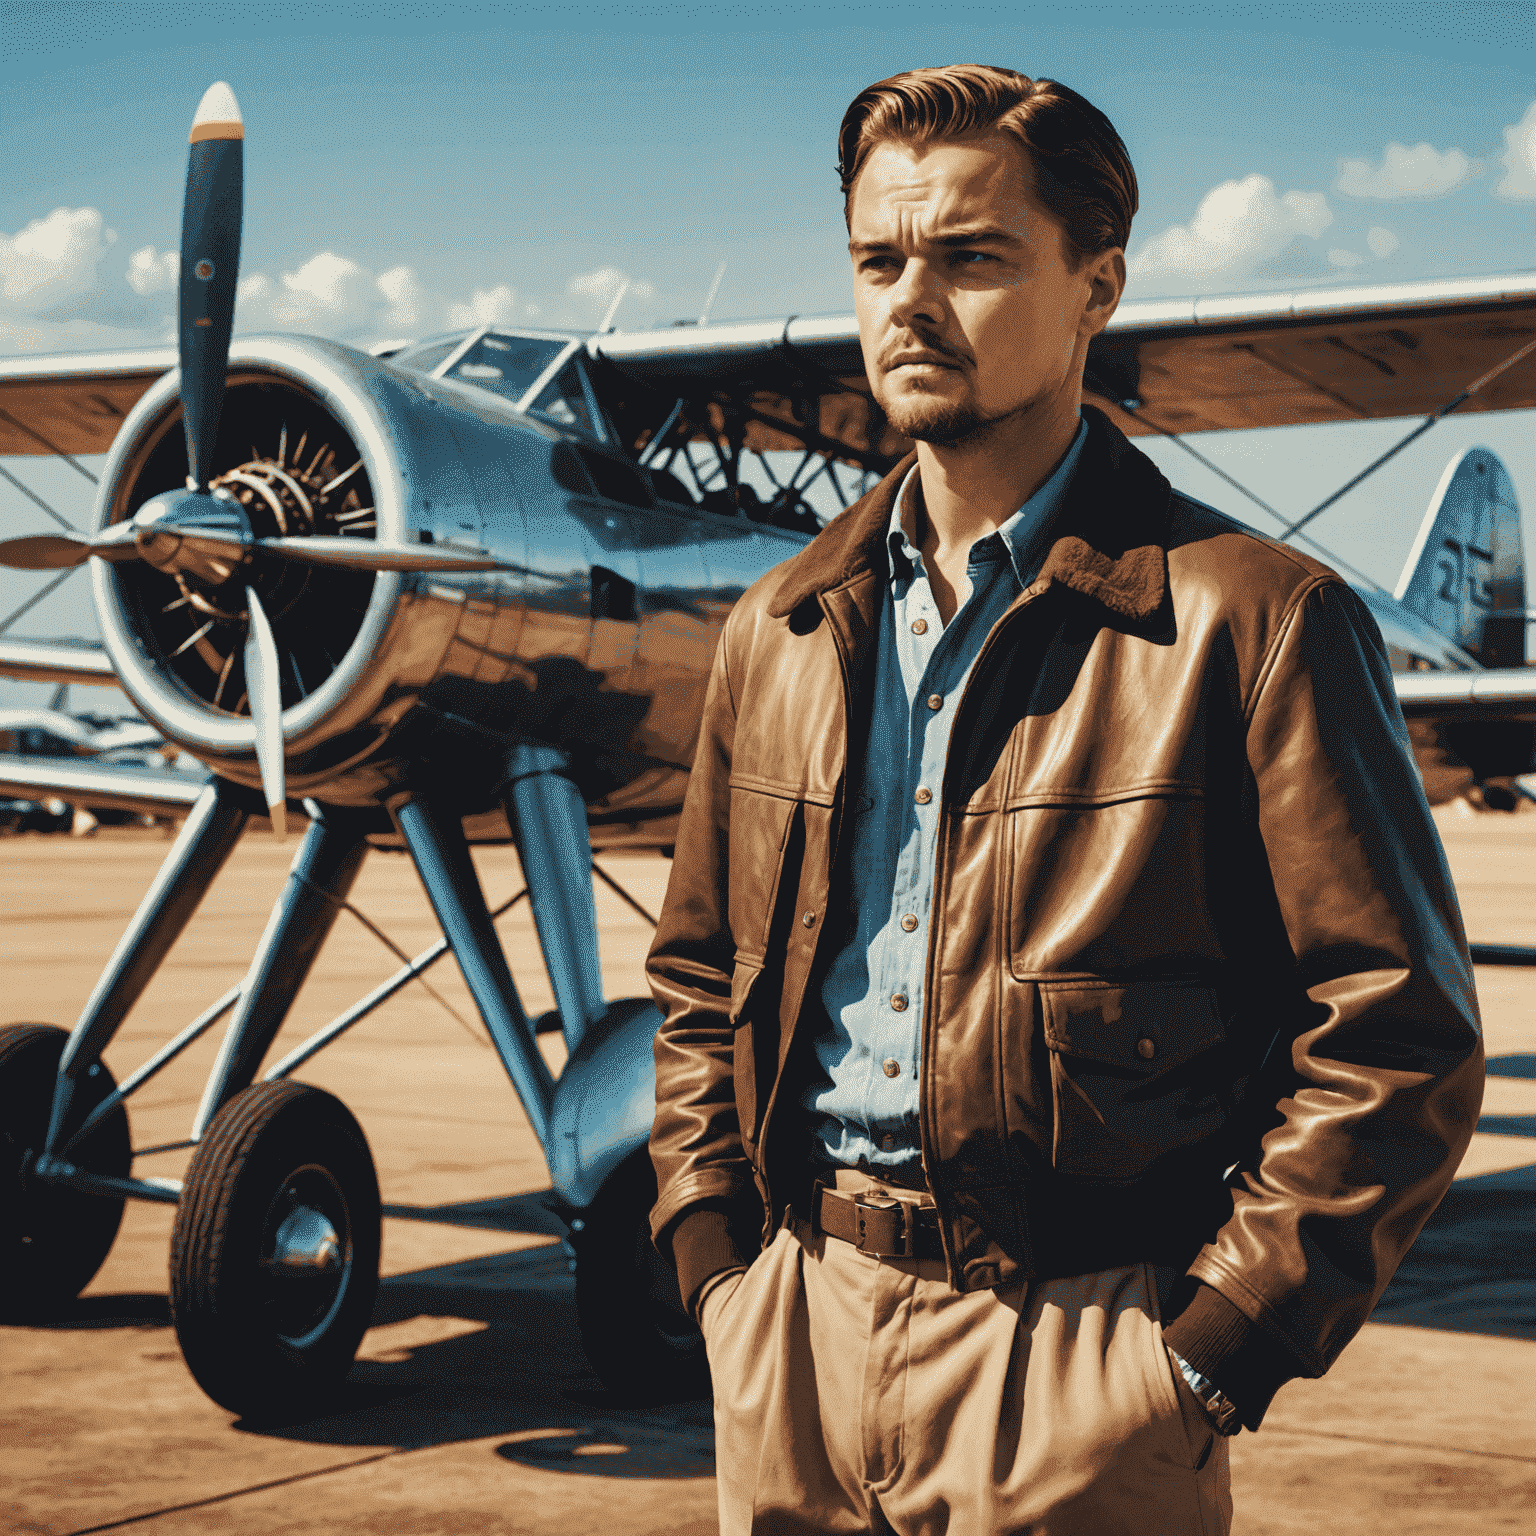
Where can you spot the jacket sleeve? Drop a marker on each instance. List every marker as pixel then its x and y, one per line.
pixel 1376 1082
pixel 708 1216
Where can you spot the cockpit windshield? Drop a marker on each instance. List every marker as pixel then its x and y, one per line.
pixel 507 364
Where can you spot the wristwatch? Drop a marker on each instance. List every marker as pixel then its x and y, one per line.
pixel 1220 1407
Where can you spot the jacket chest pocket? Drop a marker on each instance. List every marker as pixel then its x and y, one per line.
pixel 1135 1073
pixel 765 828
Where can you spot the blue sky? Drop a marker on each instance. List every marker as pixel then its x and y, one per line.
pixel 411 167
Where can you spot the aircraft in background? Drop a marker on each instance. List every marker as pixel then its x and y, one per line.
pixel 471 592
pixel 53 733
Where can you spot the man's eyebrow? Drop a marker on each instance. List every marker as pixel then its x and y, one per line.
pixel 980 234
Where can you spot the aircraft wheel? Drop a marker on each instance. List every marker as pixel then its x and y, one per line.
pixel 275 1254
pixel 52 1240
pixel 638 1338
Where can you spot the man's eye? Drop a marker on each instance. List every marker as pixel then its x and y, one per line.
pixel 971 258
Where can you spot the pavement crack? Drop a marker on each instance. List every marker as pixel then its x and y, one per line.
pixel 236 1493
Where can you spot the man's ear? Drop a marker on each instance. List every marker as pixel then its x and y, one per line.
pixel 1106 279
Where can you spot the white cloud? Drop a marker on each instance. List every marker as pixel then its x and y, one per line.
pixel 50 268
pixel 595 291
pixel 1381 241
pixel 1519 159
pixel 1341 258
pixel 329 295
pixel 1239 227
pixel 487 306
pixel 334 296
pixel 1422 172
pixel 56 295
pixel 408 301
pixel 151 271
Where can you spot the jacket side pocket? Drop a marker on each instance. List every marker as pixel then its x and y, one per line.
pixel 1134 1073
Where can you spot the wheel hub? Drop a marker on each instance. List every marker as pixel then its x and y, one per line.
pixel 306 1254
pixel 306 1242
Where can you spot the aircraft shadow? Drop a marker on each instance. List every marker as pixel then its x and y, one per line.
pixel 122 1310
pixel 518 1370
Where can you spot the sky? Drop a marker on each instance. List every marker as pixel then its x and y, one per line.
pixel 411 168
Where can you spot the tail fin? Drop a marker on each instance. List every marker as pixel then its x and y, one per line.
pixel 1466 571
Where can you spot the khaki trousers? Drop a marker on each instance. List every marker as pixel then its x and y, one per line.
pixel 855 1394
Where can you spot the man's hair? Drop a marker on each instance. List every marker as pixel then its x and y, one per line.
pixel 1082 172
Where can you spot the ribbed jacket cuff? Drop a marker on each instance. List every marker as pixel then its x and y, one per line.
pixel 1227 1348
pixel 710 1237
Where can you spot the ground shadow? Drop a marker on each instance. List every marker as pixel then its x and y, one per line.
pixel 1473 1268
pixel 516 1370
pixel 127 1310
pixel 1519 1065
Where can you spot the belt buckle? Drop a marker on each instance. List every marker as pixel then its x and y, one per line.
pixel 906 1227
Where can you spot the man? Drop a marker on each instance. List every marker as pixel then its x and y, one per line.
pixel 1069 1023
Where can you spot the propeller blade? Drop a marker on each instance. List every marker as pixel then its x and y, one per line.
pixel 210 262
pixel 366 555
pixel 59 551
pixel 263 684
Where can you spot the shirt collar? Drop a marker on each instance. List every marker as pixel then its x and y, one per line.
pixel 1022 536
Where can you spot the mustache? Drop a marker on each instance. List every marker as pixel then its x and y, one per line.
pixel 920 349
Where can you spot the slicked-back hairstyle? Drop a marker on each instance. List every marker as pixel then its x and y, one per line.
pixel 1082 172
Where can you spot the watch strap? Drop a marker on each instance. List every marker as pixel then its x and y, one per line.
pixel 1220 1407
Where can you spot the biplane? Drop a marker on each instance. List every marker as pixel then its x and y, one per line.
pixel 470 591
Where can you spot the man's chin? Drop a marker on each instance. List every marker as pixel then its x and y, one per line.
pixel 943 423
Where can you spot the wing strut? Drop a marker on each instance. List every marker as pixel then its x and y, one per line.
pixel 1418 431
pixel 36 598
pixel 1257 500
pixel 38 501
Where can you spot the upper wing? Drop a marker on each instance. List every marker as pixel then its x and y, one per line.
pixel 1203 364
pixel 1190 365
pixel 73 402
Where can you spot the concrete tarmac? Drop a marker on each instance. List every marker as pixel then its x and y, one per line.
pixel 472 1407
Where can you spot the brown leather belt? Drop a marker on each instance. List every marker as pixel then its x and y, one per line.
pixel 885 1228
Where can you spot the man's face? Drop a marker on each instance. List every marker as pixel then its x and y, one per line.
pixel 972 308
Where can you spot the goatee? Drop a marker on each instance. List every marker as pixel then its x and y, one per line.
pixel 943 423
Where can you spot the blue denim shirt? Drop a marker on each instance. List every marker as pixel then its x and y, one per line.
pixel 863 1110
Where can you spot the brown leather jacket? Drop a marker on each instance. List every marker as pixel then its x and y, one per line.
pixel 1190 915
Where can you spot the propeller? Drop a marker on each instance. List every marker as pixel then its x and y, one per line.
pixel 172 542
pixel 210 264
pixel 264 686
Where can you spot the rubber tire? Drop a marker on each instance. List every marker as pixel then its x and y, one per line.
pixel 225 1306
pixel 642 1344
pixel 52 1239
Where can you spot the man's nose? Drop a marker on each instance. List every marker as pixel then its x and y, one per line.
pixel 917 294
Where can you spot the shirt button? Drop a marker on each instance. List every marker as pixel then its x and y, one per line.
pixel 899 1002
pixel 935 701
pixel 909 922
pixel 919 626
pixel 887 1143
pixel 891 1067
pixel 809 919
pixel 1146 1049
pixel 923 796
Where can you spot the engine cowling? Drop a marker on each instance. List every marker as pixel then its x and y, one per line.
pixel 315 438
